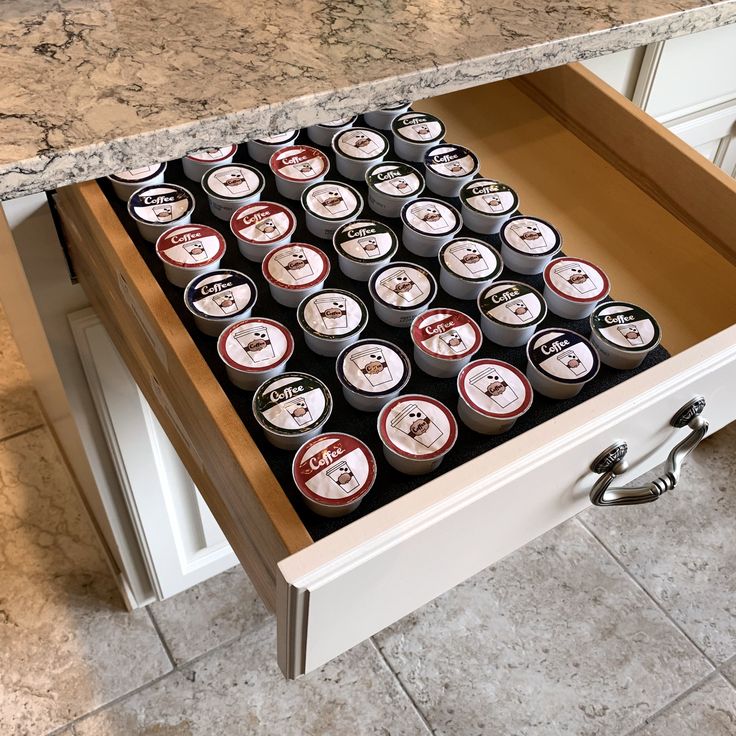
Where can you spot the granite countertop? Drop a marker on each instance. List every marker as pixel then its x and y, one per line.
pixel 90 88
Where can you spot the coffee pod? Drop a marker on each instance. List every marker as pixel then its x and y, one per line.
pixel 416 432
pixel 560 363
pixel 357 149
pixel 331 320
pixel 126 182
pixel 573 287
pixel 219 298
pixel 372 372
pixel 188 251
pixel 528 244
pixel 383 118
pixel 468 265
pixel 391 185
pixel 254 350
pixel 448 168
pixel 492 396
pixel 230 186
pixel 295 271
pixel 415 133
pixel 157 207
pixel 261 149
pixel 328 205
pixel 400 291
pixel 196 163
pixel 624 334
pixel 291 409
pixel 427 225
pixel 510 312
pixel 260 227
pixel 334 472
pixel 323 133
pixel 363 246
pixel 296 167
pixel 486 204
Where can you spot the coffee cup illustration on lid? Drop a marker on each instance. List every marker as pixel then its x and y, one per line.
pixel 510 312
pixel 428 224
pixel 126 182
pixel 196 163
pixel 391 184
pixel 295 271
pixel 448 168
pixel 261 149
pixel 623 333
pixel 328 205
pixel 573 287
pixel 230 186
pixel 383 118
pixel 323 133
pixel 357 149
pixel 528 244
pixel 260 227
pixel 219 298
pixel 466 266
pixel 157 207
pixel 331 320
pixel 400 291
pixel 187 251
pixel 415 133
pixel 486 204
pixel 295 167
pixel 363 246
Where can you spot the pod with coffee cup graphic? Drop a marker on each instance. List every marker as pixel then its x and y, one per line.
pixel 468 265
pixel 486 204
pixel 260 227
pixel 415 133
pixel 400 291
pixel 230 186
pixel 331 320
pixel 623 333
pixel 126 182
pixel 573 287
pixel 157 207
pixel 391 184
pixel 188 251
pixel 296 167
pixel 357 150
pixel 528 244
pixel 448 168
pixel 329 205
pixel 197 163
pixel 510 312
pixel 427 225
pixel 295 271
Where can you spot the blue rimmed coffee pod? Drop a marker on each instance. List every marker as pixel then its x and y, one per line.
pixel 623 333
pixel 510 312
pixel 448 167
pixel 528 244
pixel 467 265
pixel 363 246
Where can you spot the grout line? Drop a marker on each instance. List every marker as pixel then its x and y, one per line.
pixel 161 637
pixel 21 432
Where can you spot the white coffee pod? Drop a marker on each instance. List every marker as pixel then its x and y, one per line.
pixel 623 333
pixel 510 312
pixel 357 149
pixel 383 118
pixel 230 186
pixel 415 133
pixel 328 205
pixel 126 182
pixel 295 271
pixel 468 265
pixel 187 251
pixel 157 207
pixel 391 184
pixel 261 149
pixel 448 168
pixel 260 227
pixel 573 287
pixel 486 204
pixel 363 246
pixel 220 298
pixel 331 320
pixel 296 167
pixel 400 291
pixel 197 162
pixel 427 225
pixel 323 133
pixel 528 244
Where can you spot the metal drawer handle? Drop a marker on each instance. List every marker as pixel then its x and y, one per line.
pixel 610 463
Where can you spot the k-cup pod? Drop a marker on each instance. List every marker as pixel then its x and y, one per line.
pixel 157 207
pixel 486 204
pixel 331 320
pixel 295 271
pixel 197 162
pixel 329 205
pixel 468 265
pixel 560 363
pixel 230 186
pixel 260 227
pixel 510 312
pixel 383 118
pixel 126 182
pixel 219 298
pixel 624 334
pixel 372 372
pixel 188 251
pixel 528 244
pixel 444 341
pixel 323 133
pixel 291 409
pixel 296 167
pixel 254 350
pixel 357 149
pixel 261 149
pixel 573 287
pixel 391 185
pixel 427 225
pixel 363 246
pixel 448 168
pixel 400 291
pixel 416 432
pixel 333 472
pixel 415 133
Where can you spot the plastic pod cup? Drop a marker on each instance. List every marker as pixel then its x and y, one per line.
pixel 260 227
pixel 157 207
pixel 331 320
pixel 400 291
pixel 528 244
pixel 468 265
pixel 391 184
pixel 323 133
pixel 510 312
pixel 197 162
pixel 383 118
pixel 427 225
pixel 560 362
pixel 295 167
pixel 486 204
pixel 254 350
pixel 372 372
pixel 363 246
pixel 328 205
pixel 492 395
pixel 188 251
pixel 416 432
pixel 292 408
pixel 124 183
pixel 415 133
pixel 334 472
pixel 573 287
pixel 295 271
pixel 623 333
pixel 231 186
pixel 219 298
pixel 448 168
pixel 357 149
pixel 261 149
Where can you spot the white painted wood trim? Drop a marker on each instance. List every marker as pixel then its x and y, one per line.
pixel 647 74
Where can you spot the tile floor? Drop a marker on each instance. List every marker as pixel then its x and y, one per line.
pixel 615 623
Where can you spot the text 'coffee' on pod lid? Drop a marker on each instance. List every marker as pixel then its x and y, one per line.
pixel 451 161
pixel 417 427
pixel 332 314
pixel 431 217
pixel 403 285
pixel 364 241
pixel 262 223
pixel 625 326
pixel 395 179
pixel 576 280
pixel 138 174
pixel 513 304
pixel 292 404
pixel 232 181
pixel 255 345
pixel 446 334
pixel 295 266
pixel 340 122
pixel 190 246
pixel 160 204
pixel 334 469
pixel 299 163
pixel 563 355
pixel 221 294
pixel 211 155
pixel 530 236
pixel 418 127
pixel 274 140
pixel 373 367
pixel 360 144
pixel 332 200
pixel 471 259
pixel 495 388
pixel 489 197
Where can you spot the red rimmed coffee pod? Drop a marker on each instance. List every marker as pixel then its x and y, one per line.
pixel 296 167
pixel 188 251
pixel 198 162
pixel 573 287
pixel 260 227
pixel 295 271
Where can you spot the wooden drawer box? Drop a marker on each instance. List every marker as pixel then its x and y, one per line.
pixel 626 194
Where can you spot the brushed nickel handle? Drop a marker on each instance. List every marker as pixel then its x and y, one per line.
pixel 611 462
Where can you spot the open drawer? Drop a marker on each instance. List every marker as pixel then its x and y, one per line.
pixel 626 194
